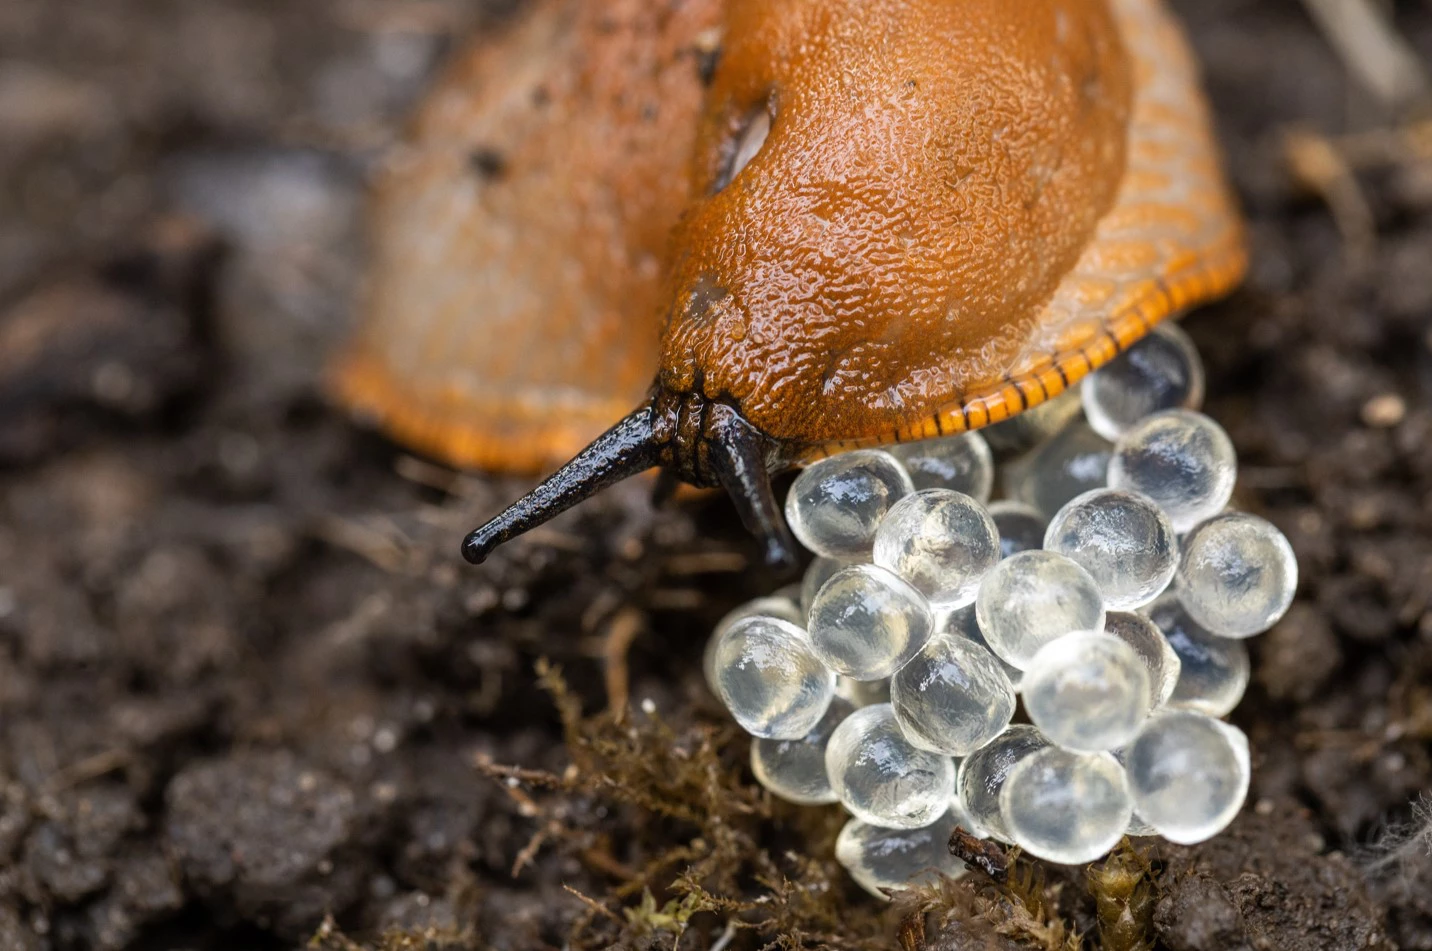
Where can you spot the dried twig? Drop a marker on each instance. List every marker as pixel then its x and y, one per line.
pixel 1371 48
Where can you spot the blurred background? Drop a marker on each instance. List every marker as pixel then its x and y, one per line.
pixel 246 683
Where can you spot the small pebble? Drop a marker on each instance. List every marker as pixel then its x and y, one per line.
pixel 1122 539
pixel 1180 459
pixel 1238 575
pixel 963 463
pixel 866 623
pixel 881 778
pixel 1188 775
pixel 1031 598
pixel 879 858
pixel 1384 411
pixel 1213 671
pixel 1021 527
pixel 1158 656
pixel 835 505
pixel 942 542
pixel 1068 465
pixel 774 606
pixel 953 697
pixel 771 680
pixel 983 772
pixel 1087 692
pixel 962 623
pixel 1162 371
pixel 795 769
pixel 1066 807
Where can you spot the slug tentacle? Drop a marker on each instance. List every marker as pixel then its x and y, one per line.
pixel 624 450
pixel 696 440
pixel 743 467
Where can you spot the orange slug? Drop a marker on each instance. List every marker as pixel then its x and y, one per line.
pixel 820 223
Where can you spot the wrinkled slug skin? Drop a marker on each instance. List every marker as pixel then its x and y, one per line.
pixel 933 169
pixel 881 220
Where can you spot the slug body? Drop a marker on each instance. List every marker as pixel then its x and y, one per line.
pixel 901 219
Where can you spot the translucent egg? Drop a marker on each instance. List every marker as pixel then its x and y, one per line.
pixel 836 504
pixel 814 579
pixel 1213 671
pixel 983 772
pixel 770 679
pixel 774 606
pixel 1021 527
pixel 1087 692
pixel 863 693
pixel 963 463
pixel 1031 598
pixel 881 778
pixel 953 697
pixel 1028 429
pixel 1066 807
pixel 1069 464
pixel 1158 656
pixel 961 623
pixel 1188 775
pixel 1160 372
pixel 1238 575
pixel 1182 460
pixel 795 769
pixel 866 623
pixel 879 858
pixel 1122 539
pixel 942 542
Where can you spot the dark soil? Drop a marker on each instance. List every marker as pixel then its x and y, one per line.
pixel 245 681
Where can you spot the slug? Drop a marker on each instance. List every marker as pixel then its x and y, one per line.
pixel 820 224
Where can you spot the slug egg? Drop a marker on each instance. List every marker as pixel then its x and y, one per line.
pixel 1188 775
pixel 983 773
pixel 963 463
pixel 879 858
pixel 1021 527
pixel 1213 671
pixel 962 623
pixel 866 622
pixel 835 505
pixel 881 777
pixel 1087 692
pixel 795 769
pixel 1066 807
pixel 814 579
pixel 1180 459
pixel 1238 575
pixel 1157 654
pixel 1122 539
pixel 953 697
pixel 942 542
pixel 776 606
pixel 1032 598
pixel 1072 463
pixel 1160 372
pixel 770 679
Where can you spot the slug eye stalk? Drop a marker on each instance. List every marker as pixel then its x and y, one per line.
pixel 701 442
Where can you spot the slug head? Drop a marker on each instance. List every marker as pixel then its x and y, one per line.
pixel 885 192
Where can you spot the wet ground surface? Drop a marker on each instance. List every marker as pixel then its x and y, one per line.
pixel 245 682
